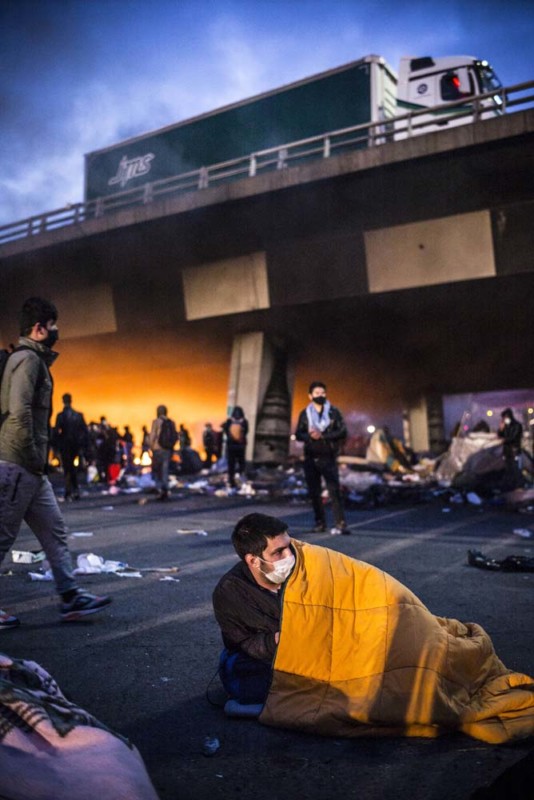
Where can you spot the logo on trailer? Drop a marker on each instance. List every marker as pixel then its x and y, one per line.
pixel 422 88
pixel 130 168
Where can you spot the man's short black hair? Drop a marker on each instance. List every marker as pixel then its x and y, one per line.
pixel 252 531
pixel 316 385
pixel 34 310
pixel 67 398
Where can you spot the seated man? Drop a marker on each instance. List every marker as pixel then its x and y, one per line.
pixel 354 653
pixel 247 606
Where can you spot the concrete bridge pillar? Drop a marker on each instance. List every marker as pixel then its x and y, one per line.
pixel 259 384
pixel 423 424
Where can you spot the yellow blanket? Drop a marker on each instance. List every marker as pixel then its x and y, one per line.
pixel 360 655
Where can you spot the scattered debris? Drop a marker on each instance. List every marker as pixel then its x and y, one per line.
pixel 197 531
pixel 210 746
pixel 41 576
pixel 92 564
pixel 525 533
pixel 509 564
pixel 474 499
pixel 27 556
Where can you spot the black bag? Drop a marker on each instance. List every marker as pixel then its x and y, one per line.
pixel 167 436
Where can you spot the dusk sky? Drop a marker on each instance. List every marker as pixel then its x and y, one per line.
pixel 78 75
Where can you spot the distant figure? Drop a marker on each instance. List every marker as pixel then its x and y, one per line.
pixel 163 437
pixel 70 438
pixel 127 448
pixel 102 449
pixel 145 441
pixel 25 490
pixel 184 437
pixel 236 429
pixel 210 444
pixel 321 427
pixel 511 433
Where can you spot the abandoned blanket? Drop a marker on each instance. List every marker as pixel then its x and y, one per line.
pixel 52 748
pixel 360 655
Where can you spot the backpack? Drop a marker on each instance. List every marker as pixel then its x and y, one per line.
pixel 236 432
pixel 167 436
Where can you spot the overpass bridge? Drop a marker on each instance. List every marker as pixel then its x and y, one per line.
pixel 397 274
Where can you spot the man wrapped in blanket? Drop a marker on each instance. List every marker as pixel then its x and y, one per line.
pixel 318 641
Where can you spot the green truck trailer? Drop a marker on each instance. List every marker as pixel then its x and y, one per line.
pixel 363 91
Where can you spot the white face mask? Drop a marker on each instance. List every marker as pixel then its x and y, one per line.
pixel 282 569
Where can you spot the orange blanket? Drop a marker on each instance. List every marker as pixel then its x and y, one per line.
pixel 360 655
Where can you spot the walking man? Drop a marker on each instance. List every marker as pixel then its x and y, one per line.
pixel 70 438
pixel 321 427
pixel 25 491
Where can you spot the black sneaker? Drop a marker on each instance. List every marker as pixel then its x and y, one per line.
pixel 8 621
pixel 82 605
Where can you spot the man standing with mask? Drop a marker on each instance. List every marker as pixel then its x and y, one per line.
pixel 25 491
pixel 321 427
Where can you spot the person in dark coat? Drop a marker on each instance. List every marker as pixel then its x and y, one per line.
pixel 71 441
pixel 322 428
pixel 511 433
pixel 235 430
pixel 208 440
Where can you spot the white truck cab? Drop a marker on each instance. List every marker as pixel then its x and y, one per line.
pixel 428 82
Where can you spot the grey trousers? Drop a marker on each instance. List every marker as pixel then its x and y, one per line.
pixel 161 460
pixel 28 497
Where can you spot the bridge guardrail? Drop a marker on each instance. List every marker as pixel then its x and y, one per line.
pixel 369 134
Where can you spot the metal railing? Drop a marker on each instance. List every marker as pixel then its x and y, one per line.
pixel 369 134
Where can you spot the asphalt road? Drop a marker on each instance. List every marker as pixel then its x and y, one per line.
pixel 143 665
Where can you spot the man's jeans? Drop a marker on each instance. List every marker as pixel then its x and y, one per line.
pixel 314 470
pixel 160 468
pixel 246 679
pixel 28 497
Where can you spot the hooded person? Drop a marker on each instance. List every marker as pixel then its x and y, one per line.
pixel 511 432
pixel 235 430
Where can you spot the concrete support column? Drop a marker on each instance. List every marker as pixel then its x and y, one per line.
pixel 423 424
pixel 258 383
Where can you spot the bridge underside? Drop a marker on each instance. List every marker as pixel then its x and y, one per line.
pixel 389 282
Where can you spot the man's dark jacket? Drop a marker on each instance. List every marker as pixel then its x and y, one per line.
pixel 248 615
pixel 328 445
pixel 26 404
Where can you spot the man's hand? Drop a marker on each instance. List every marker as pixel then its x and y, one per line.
pixel 315 434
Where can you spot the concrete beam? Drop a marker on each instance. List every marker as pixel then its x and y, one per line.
pixel 475 134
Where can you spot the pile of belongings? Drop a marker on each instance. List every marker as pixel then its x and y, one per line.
pixel 509 564
pixel 471 460
pixel 389 451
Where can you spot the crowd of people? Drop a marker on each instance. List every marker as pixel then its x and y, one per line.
pixel 106 453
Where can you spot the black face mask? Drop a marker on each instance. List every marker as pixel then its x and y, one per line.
pixel 51 339
pixel 319 400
